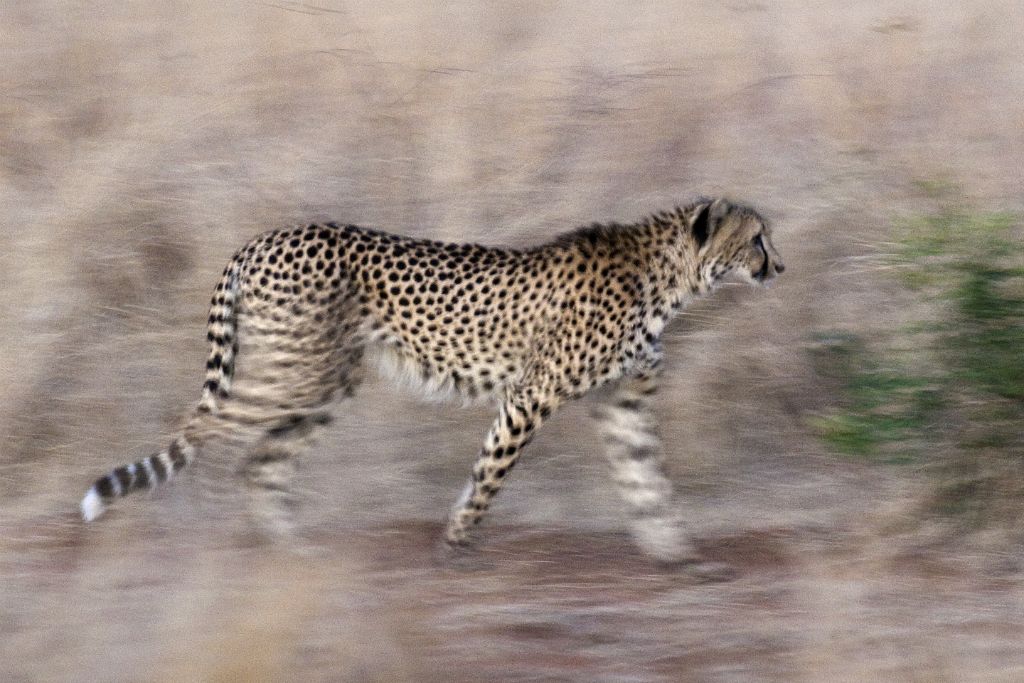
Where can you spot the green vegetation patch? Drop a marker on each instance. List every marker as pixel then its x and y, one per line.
pixel 888 411
pixel 949 388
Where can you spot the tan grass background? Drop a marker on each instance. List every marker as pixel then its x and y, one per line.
pixel 142 142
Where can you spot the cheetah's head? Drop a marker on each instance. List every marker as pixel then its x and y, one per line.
pixel 734 239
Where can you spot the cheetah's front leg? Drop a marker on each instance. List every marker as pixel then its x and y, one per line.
pixel 518 418
pixel 628 427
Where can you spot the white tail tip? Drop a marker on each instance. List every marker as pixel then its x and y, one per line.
pixel 92 505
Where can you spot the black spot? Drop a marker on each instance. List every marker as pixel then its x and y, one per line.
pixel 124 478
pixel 158 468
pixel 291 424
pixel 141 476
pixel 105 487
pixel 642 453
pixel 177 457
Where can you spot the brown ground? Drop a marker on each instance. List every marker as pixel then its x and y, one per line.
pixel 808 604
pixel 141 143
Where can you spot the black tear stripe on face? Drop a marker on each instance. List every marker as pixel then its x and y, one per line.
pixel 762 272
pixel 702 226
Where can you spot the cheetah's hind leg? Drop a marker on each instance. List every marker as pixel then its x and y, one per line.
pixel 268 471
pixel 299 393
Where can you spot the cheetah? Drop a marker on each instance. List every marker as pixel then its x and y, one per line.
pixel 299 312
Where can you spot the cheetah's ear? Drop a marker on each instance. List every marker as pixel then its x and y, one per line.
pixel 720 208
pixel 701 225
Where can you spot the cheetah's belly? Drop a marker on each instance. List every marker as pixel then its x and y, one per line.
pixel 404 369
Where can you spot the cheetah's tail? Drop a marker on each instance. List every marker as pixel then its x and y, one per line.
pixel 156 469
pixel 222 333
pixel 144 474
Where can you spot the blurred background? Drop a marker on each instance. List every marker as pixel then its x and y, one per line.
pixel 850 439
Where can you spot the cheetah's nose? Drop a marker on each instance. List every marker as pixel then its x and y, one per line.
pixel 780 267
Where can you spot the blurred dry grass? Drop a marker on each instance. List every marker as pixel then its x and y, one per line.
pixel 140 143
